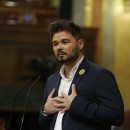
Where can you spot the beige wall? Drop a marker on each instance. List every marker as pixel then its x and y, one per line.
pixel 122 50
pixel 114 41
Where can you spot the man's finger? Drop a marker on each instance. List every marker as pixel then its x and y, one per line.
pixel 64 94
pixel 52 93
pixel 63 110
pixel 57 99
pixel 74 89
pixel 60 105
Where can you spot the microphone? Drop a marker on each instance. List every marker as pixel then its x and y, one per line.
pixel 29 90
pixel 15 99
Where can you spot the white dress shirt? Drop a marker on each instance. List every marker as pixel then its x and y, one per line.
pixel 64 87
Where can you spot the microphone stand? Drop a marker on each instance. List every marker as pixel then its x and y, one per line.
pixel 12 109
pixel 29 90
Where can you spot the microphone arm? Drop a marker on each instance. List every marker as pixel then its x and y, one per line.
pixel 29 90
pixel 12 109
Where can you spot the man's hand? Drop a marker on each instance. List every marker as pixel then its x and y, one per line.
pixel 52 105
pixel 65 101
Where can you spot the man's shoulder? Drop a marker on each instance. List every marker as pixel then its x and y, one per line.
pixel 54 75
pixel 97 68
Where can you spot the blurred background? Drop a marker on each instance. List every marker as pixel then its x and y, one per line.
pixel 26 50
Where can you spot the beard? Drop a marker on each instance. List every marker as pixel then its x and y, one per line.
pixel 69 59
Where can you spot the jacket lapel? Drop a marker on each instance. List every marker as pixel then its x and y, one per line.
pixel 57 83
pixel 82 69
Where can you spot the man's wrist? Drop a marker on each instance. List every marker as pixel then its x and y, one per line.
pixel 44 113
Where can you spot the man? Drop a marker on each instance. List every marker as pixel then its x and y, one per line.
pixel 82 95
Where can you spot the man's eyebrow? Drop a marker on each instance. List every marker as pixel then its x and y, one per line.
pixel 53 42
pixel 65 39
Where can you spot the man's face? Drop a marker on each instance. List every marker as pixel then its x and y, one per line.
pixel 66 48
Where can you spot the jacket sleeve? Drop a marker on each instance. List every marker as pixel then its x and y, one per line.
pixel 107 109
pixel 44 120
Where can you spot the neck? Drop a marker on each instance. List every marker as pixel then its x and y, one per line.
pixel 69 66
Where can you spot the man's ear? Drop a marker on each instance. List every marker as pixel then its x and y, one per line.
pixel 81 43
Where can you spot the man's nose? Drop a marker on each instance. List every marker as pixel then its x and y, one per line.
pixel 60 46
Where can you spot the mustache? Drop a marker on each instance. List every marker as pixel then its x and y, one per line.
pixel 61 53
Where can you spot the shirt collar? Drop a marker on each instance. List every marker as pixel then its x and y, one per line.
pixel 73 70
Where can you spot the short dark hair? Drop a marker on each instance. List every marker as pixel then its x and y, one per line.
pixel 65 25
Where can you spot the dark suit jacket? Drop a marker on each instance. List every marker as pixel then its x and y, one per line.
pixel 97 106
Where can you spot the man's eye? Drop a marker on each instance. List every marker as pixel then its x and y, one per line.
pixel 65 42
pixel 55 44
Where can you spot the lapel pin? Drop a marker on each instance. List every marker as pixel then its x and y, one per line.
pixel 82 71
